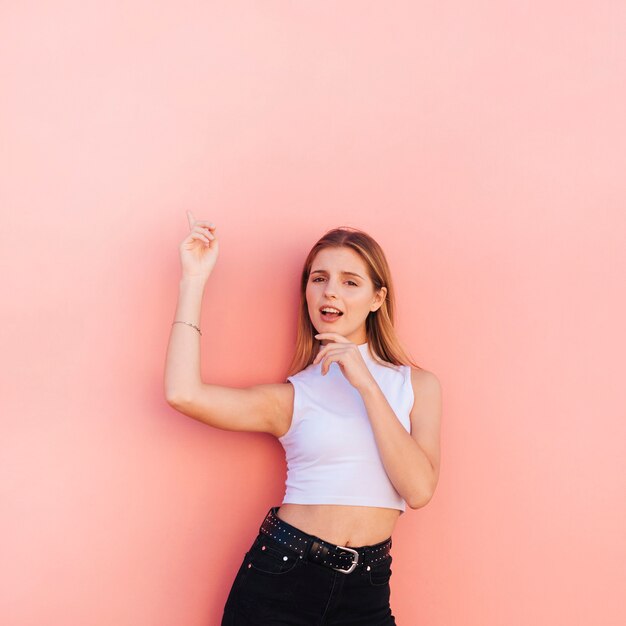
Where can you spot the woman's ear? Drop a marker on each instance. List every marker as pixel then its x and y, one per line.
pixel 380 298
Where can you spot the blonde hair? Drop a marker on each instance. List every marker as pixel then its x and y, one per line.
pixel 382 339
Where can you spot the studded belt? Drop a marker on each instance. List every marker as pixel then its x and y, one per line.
pixel 340 558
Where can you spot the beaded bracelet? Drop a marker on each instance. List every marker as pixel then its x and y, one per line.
pixel 189 323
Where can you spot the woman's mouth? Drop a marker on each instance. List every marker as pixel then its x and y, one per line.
pixel 330 314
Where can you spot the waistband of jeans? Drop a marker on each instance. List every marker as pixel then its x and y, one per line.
pixel 318 550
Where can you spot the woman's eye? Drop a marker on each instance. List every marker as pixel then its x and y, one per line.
pixel 321 278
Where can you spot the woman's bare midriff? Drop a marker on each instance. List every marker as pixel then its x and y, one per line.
pixel 344 525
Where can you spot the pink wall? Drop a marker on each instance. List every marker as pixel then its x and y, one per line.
pixel 483 144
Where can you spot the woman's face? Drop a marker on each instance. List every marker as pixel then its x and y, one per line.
pixel 339 279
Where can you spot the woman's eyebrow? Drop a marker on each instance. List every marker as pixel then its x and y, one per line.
pixel 343 272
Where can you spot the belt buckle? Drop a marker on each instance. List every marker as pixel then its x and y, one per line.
pixel 354 562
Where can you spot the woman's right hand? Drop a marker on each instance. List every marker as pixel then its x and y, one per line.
pixel 198 251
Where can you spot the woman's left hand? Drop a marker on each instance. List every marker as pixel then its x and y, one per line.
pixel 348 356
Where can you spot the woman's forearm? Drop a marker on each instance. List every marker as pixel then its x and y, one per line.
pixel 182 365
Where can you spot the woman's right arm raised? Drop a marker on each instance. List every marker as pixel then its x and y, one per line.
pixel 256 408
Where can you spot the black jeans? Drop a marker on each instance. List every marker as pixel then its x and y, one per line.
pixel 277 587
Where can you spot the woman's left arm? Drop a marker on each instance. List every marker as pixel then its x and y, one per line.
pixel 411 460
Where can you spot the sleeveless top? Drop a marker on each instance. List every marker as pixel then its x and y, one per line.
pixel 331 452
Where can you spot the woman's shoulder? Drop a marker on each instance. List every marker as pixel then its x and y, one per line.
pixel 281 397
pixel 424 381
pixel 303 373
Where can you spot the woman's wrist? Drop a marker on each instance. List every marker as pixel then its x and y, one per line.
pixel 193 281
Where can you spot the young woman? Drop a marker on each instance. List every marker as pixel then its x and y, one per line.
pixel 360 427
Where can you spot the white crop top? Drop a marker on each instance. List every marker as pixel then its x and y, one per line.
pixel 331 451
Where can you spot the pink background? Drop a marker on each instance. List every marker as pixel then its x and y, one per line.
pixel 483 145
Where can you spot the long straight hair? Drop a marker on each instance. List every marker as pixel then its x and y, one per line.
pixel 382 339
